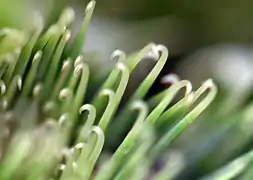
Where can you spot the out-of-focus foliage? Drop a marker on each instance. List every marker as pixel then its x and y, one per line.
pixel 13 13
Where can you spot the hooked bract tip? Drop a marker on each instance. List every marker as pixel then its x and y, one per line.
pixel 170 78
pixel 79 146
pixel 121 66
pixel 117 53
pixel 85 107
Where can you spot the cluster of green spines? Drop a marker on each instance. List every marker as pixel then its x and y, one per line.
pixel 48 131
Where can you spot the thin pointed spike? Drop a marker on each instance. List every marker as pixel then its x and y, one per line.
pixel 76 48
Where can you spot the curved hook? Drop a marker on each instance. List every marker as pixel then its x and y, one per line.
pixel 178 109
pixel 170 79
pixel 112 78
pixel 150 79
pixel 98 102
pixel 84 155
pixel 106 117
pixel 123 82
pixel 118 55
pixel 96 144
pixel 181 106
pixel 188 119
pixel 133 60
pixel 100 138
pixel 89 122
pixel 169 95
pixel 83 71
pixel 142 107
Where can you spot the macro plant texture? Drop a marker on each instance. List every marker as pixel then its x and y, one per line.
pixel 58 118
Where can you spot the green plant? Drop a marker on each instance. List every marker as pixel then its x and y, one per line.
pixel 48 131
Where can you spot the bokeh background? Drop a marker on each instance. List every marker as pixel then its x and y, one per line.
pixel 206 39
